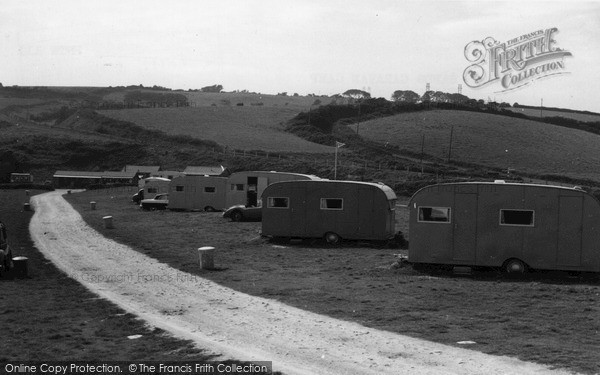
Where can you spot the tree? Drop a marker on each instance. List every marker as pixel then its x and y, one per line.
pixel 213 88
pixel 457 98
pixel 435 96
pixel 356 94
pixel 405 96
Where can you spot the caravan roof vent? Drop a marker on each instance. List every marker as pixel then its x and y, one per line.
pixel 499 181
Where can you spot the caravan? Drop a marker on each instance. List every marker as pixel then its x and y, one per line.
pixel 247 187
pixel 508 225
pixel 329 209
pixel 212 193
pixel 206 193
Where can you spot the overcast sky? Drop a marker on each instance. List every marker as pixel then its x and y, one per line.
pixel 304 46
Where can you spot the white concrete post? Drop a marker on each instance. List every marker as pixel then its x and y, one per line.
pixel 206 256
pixel 108 222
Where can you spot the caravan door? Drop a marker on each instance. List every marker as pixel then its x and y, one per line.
pixel 570 227
pixel 465 227
pixel 298 217
pixel 262 183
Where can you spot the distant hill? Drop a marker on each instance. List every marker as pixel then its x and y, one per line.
pixel 491 140
pixel 215 123
pixel 238 127
pixel 536 112
pixel 233 99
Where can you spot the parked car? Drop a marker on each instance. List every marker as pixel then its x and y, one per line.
pixel 159 202
pixel 137 197
pixel 240 212
pixel 5 252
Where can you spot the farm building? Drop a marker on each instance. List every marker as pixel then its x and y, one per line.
pixel 508 225
pixel 329 209
pixel 198 193
pixel 83 179
pixel 75 179
pixel 167 174
pixel 124 178
pixel 142 171
pixel 246 187
pixel 21 177
pixel 219 171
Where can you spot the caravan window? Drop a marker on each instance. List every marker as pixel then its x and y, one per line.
pixel 209 189
pixel 332 204
pixel 239 187
pixel 434 214
pixel 278 202
pixel 179 188
pixel 152 190
pixel 517 217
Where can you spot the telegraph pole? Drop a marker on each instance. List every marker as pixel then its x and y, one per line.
pixel 358 123
pixel 422 150
pixel 337 145
pixel 450 146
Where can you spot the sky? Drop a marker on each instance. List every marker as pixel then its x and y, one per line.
pixel 323 47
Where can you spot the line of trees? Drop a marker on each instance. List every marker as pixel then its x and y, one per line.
pixel 153 99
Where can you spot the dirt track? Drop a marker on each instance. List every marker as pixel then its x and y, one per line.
pixel 237 325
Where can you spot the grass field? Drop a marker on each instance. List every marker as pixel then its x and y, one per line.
pixel 6 102
pixel 243 128
pixel 49 316
pixel 542 317
pixel 492 140
pixel 552 113
pixel 539 318
pixel 204 99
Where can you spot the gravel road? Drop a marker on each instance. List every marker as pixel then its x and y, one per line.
pixel 235 325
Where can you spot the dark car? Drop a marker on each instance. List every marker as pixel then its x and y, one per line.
pixel 243 213
pixel 137 197
pixel 160 202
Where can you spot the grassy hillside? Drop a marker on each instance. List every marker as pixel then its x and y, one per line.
pixel 206 99
pixel 7 102
pixel 239 127
pixel 533 112
pixel 169 137
pixel 492 140
pixel 92 142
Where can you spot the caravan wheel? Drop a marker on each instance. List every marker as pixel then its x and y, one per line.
pixel 332 238
pixel 9 260
pixel 515 266
pixel 237 216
